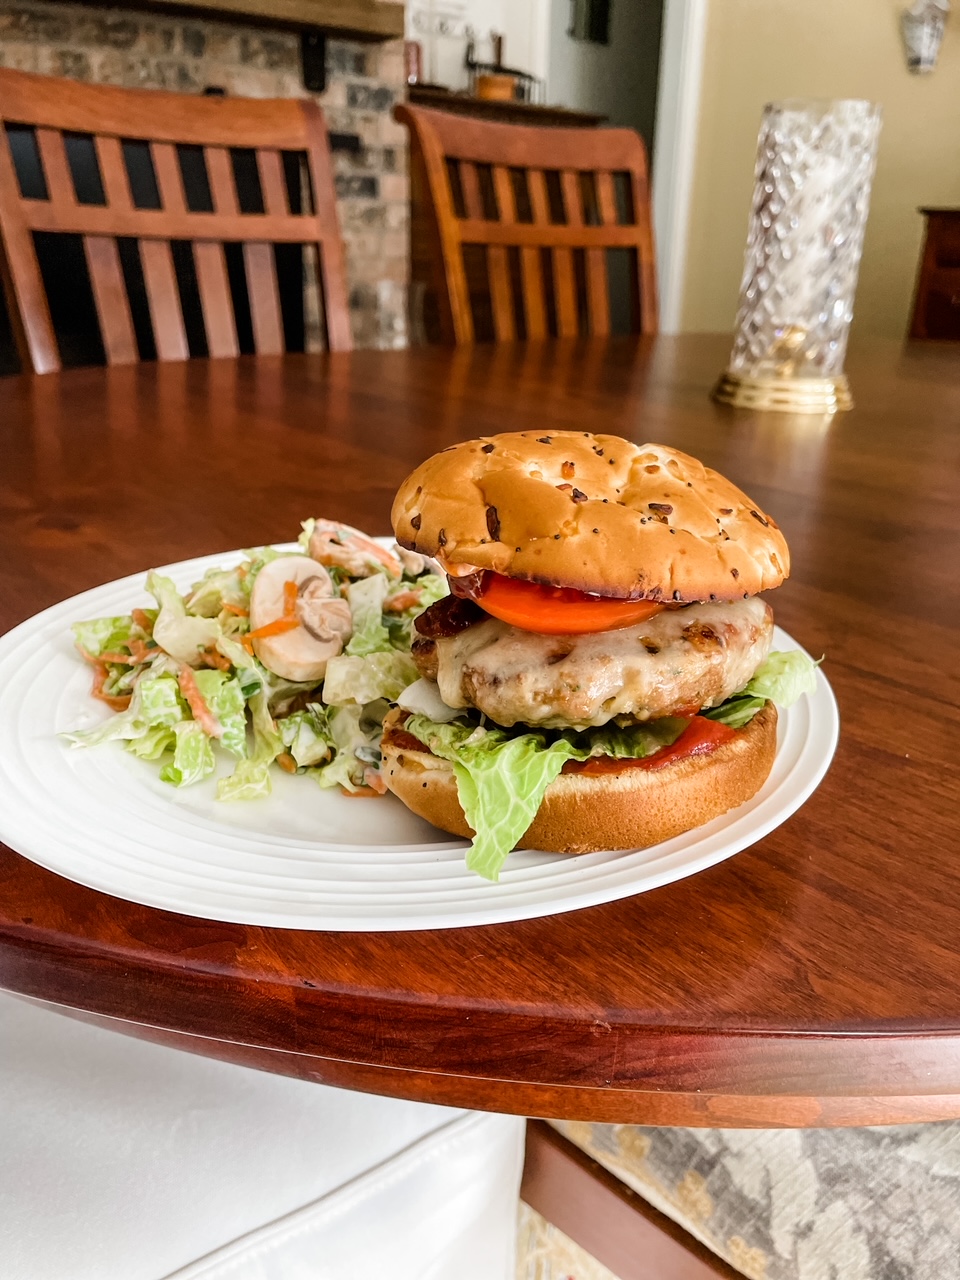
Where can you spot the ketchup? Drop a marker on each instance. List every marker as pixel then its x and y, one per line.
pixel 699 738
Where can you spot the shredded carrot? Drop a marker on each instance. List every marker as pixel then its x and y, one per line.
pixel 204 717
pixel 142 620
pixel 237 609
pixel 290 591
pixel 247 644
pixel 374 779
pixel 276 628
pixel 359 792
pixel 117 657
pixel 139 652
pixel 119 702
pixel 402 600
pixel 286 762
pixel 212 657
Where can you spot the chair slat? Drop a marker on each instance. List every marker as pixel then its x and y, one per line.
pixel 166 166
pixel 595 260
pixel 264 296
pixel 472 200
pixel 501 295
pixel 113 172
pixel 270 166
pixel 20 276
pixel 498 266
pixel 215 300
pixel 220 174
pixel 53 156
pixel 534 304
pixel 110 296
pixel 607 198
pixel 565 286
pixel 331 265
pixel 163 298
pixel 531 265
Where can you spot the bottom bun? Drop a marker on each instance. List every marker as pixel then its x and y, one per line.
pixel 581 813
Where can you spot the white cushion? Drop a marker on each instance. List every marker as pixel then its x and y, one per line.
pixel 123 1160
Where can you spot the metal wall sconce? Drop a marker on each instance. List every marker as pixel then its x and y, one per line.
pixel 922 29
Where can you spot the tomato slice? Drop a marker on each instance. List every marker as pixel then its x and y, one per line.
pixel 700 738
pixel 559 611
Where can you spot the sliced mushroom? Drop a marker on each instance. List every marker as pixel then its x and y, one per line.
pixel 325 623
pixel 337 544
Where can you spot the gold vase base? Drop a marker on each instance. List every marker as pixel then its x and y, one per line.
pixel 785 395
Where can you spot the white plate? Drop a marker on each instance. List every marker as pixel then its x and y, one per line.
pixel 304 858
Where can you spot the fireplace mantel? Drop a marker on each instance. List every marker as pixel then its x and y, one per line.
pixel 350 19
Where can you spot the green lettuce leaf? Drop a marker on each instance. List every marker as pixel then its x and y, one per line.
pixel 306 735
pixel 366 598
pixel 379 675
pixel 179 633
pixel 251 778
pixel 355 735
pixel 783 678
pixel 154 743
pixel 156 702
pixel 104 635
pixel 224 697
pixel 192 756
pixel 217 587
pixel 500 782
pixel 502 774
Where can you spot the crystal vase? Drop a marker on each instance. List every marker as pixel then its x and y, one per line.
pixel 815 163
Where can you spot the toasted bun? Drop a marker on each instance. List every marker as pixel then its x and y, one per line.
pixel 593 512
pixel 580 813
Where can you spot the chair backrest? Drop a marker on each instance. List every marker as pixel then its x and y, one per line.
pixel 546 205
pixel 160 136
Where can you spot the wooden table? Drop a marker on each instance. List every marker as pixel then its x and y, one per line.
pixel 812 979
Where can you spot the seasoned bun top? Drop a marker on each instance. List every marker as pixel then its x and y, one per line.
pixel 571 509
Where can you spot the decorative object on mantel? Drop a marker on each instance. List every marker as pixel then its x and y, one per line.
pixel 815 163
pixel 922 29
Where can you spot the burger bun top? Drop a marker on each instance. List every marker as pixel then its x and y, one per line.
pixel 593 512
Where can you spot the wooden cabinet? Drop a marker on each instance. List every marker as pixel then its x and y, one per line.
pixel 936 305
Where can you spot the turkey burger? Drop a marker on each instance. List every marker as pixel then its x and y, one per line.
pixel 600 676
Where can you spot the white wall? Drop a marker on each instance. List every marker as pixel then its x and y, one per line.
pixel 618 80
pixel 440 26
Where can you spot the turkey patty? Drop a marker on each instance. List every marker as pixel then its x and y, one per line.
pixel 675 661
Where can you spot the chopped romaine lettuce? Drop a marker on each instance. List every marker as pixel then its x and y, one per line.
pixel 306 735
pixel 225 699
pixel 360 680
pixel 502 774
pixel 183 636
pixel 104 635
pixel 782 678
pixel 366 598
pixel 192 756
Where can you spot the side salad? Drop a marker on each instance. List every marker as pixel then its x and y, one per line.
pixel 289 659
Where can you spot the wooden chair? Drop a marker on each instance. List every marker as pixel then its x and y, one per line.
pixel 543 207
pixel 160 136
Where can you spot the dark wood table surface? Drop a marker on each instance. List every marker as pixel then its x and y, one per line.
pixel 812 979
